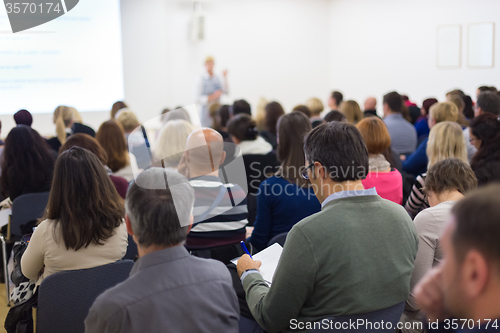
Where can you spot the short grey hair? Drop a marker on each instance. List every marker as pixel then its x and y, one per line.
pixel 159 205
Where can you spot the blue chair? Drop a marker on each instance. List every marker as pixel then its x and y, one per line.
pixel 280 239
pixel 65 298
pixel 132 252
pixel 247 325
pixel 388 315
pixel 26 208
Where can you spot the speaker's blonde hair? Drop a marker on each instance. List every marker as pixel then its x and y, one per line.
pixel 63 116
pixel 446 140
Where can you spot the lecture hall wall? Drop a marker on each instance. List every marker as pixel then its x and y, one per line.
pixel 290 50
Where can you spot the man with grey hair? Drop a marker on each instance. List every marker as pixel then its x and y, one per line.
pixel 168 289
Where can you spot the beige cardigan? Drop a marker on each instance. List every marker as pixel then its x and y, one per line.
pixel 50 254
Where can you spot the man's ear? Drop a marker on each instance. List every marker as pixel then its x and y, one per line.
pixel 479 111
pixel 319 171
pixel 475 274
pixel 223 157
pixel 190 226
pixel 129 225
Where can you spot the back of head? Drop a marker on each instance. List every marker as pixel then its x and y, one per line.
pixel 117 106
pixel 25 159
pixel 394 101
pixel 375 134
pixel 128 120
pixel 446 140
pixel 489 102
pixel 458 101
pixel 337 97
pixel 112 138
pixel 241 107
pixel 223 115
pixel 477 225
pixel 204 152
pixel 23 117
pixel 486 128
pixel 83 200
pixel 455 92
pixel 274 111
pixel 445 111
pixel 171 142
pixel 63 117
pixel 315 106
pixel 87 142
pixel 179 113
pixel 487 88
pixel 303 109
pixel 260 113
pixel 451 174
pixel 340 148
pixel 243 128
pixel 292 128
pixel 426 104
pixel 352 111
pixel 160 211
pixel 334 116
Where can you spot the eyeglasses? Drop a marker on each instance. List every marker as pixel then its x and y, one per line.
pixel 304 174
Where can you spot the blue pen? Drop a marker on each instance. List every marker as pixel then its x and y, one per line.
pixel 244 247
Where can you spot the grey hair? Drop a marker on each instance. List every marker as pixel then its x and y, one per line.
pixel 159 205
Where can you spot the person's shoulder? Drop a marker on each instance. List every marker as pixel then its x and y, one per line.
pixel 111 304
pixel 211 269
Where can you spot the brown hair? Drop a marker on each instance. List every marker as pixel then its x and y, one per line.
pixel 112 138
pixel 450 174
pixel 243 128
pixel 274 111
pixel 304 109
pixel 376 135
pixel 83 200
pixel 292 128
pixel 352 111
pixel 117 106
pixel 87 142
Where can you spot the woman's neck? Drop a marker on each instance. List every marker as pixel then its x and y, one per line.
pixel 450 196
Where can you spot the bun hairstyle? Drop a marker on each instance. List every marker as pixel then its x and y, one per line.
pixel 243 128
pixel 63 116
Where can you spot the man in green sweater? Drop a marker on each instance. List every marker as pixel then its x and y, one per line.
pixel 355 256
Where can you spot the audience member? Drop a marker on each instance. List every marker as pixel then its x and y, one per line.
pixel 316 107
pixel 63 118
pixel 23 117
pixel 79 127
pixel 447 182
pixel 385 179
pixel 413 110
pixel 370 107
pixel 274 110
pixel 446 140
pixel 26 163
pixel 112 138
pixel 315 277
pixel 222 118
pixel 134 137
pixel 467 283
pixel 258 156
pixel 128 120
pixel 220 208
pixel 260 113
pixel 168 289
pixel 241 106
pixel 171 143
pixel 303 109
pixel 212 112
pixel 469 107
pixel 485 136
pixel 334 100
pixel 486 88
pixel 416 163
pixel 178 113
pixel 334 116
pixel 83 225
pixel 1 141
pixel 117 106
pixel 422 124
pixel 87 142
pixel 403 134
pixel 285 198
pixel 352 111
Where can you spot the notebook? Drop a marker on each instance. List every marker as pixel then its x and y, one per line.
pixel 269 258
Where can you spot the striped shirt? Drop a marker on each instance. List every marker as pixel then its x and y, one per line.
pixel 417 201
pixel 220 213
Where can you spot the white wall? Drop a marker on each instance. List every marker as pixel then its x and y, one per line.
pixel 384 45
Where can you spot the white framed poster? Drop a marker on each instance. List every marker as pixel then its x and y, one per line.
pixel 480 45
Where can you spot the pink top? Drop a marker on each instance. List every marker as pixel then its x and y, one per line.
pixel 389 185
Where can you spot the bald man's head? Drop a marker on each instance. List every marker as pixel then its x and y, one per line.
pixel 370 103
pixel 204 152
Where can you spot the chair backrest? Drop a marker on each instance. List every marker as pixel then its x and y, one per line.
pixel 247 325
pixel 65 298
pixel 132 252
pixel 371 321
pixel 280 239
pixel 26 208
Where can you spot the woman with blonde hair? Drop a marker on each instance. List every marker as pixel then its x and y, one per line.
pixel 416 162
pixel 316 107
pixel 352 111
pixel 68 121
pixel 171 142
pixel 446 140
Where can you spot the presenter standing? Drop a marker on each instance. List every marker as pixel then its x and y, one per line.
pixel 209 88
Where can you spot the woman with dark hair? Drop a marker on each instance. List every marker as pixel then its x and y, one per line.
pixel 285 198
pixel 258 156
pixel 485 137
pixel 112 138
pixel 422 123
pixel 273 110
pixel 87 142
pixel 83 225
pixel 27 163
pixel 117 106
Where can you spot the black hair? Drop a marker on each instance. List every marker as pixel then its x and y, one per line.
pixel 334 116
pixel 243 128
pixel 488 101
pixel 394 100
pixel 338 97
pixel 241 106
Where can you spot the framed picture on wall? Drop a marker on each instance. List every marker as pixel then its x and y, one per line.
pixel 481 45
pixel 449 46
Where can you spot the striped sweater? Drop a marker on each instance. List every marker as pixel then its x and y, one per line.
pixel 220 213
pixel 417 201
